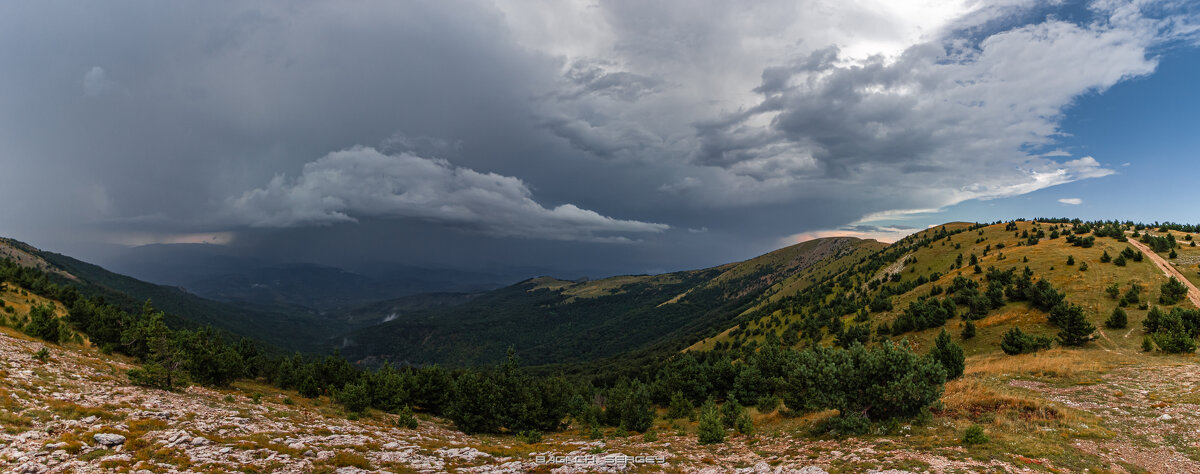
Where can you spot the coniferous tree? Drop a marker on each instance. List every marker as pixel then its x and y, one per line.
pixel 1118 319
pixel 1172 291
pixel 161 354
pixel 1076 330
pixel 730 411
pixel 637 413
pixel 711 431
pixel 355 397
pixel 474 404
pixel 681 407
pixel 43 324
pixel 949 354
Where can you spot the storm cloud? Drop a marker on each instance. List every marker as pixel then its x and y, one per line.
pixel 687 133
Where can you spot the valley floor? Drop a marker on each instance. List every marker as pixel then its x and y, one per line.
pixel 1115 411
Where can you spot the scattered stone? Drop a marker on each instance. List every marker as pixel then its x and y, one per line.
pixel 108 439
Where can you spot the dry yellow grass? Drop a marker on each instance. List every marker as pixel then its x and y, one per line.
pixel 972 398
pixel 1057 362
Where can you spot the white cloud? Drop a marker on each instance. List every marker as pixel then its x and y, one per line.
pixel 875 105
pixel 1071 201
pixel 362 182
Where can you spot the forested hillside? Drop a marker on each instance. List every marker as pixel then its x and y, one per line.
pixel 561 322
pixel 291 329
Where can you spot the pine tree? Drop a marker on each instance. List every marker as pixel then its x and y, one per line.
pixel 637 413
pixel 949 354
pixel 730 411
pixel 1105 258
pixel 681 407
pixel 1070 260
pixel 1172 291
pixel 1113 290
pixel 43 324
pixel 1076 330
pixel 1014 341
pixel 711 431
pixel 1118 319
pixel 160 352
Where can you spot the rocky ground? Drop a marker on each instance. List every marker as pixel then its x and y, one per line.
pixel 75 412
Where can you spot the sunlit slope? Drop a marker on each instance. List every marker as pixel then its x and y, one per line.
pixel 910 266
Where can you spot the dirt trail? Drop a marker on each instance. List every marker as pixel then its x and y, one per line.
pixel 1170 270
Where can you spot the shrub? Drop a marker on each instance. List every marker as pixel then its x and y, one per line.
pixel 884 382
pixel 405 418
pixel 650 436
pixel 847 424
pixel 968 330
pixel 1147 344
pixel 1017 342
pixel 356 397
pixel 42 355
pixel 974 435
pixel 530 436
pixel 767 404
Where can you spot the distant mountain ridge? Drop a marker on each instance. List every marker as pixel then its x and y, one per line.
pixel 202 269
pixel 549 320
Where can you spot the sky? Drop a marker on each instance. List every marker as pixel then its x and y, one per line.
pixel 591 137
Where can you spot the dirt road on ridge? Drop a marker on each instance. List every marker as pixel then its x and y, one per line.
pixel 1170 270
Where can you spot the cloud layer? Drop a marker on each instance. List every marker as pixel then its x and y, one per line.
pixel 361 182
pixel 594 122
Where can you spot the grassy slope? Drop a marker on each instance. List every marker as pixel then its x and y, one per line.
pixel 1048 260
pixel 1095 407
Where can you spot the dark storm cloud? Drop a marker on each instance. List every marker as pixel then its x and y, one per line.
pixel 509 125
